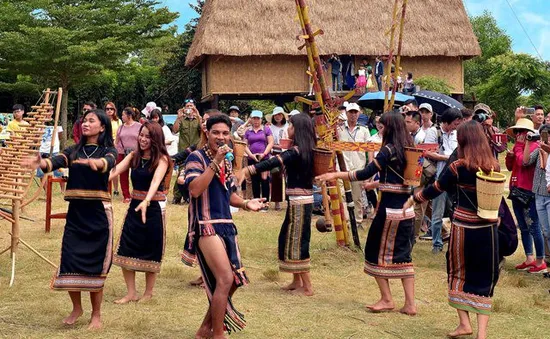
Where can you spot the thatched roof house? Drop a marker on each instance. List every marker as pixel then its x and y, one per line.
pixel 249 47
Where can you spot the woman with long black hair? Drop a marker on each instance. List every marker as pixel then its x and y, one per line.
pixel 388 247
pixel 141 244
pixel 86 250
pixel 297 165
pixel 473 256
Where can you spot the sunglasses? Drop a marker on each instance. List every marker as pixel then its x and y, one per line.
pixel 110 109
pixel 189 101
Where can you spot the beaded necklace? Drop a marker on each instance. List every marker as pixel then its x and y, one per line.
pixel 225 171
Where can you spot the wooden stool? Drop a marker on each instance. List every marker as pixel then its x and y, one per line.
pixel 49 216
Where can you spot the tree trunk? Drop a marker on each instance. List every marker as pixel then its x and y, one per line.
pixel 64 104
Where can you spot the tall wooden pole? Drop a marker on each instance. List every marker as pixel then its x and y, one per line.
pixel 399 46
pixel 328 119
pixel 390 56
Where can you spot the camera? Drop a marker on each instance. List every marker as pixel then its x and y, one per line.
pixel 480 117
pixel 188 111
pixel 529 110
pixel 533 137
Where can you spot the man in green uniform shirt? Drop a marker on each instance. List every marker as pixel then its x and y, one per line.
pixel 188 125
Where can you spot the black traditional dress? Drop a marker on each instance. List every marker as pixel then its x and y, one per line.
pixel 473 255
pixel 141 245
pixel 188 254
pixel 210 215
pixel 389 245
pixel 295 232
pixel 87 246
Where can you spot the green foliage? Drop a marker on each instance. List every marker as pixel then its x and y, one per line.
pixel 182 81
pixel 501 78
pixel 63 42
pixel 432 83
pixel 493 42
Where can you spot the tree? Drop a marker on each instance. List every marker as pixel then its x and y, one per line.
pixel 62 42
pixel 513 75
pixel 184 81
pixel 431 83
pixel 493 42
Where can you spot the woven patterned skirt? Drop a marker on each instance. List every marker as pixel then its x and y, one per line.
pixel 233 320
pixel 87 246
pixel 472 266
pixel 295 236
pixel 389 245
pixel 141 245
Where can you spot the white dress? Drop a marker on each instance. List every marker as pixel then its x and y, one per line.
pixel 169 136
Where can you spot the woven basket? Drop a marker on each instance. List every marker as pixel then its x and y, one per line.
pixel 285 143
pixel 239 148
pixel 413 170
pixel 489 189
pixel 321 160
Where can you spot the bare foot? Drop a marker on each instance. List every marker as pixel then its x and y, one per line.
pixel 145 298
pixel 126 299
pixel 302 290
pixel 203 333
pixel 408 310
pixel 196 282
pixel 95 323
pixel 381 306
pixel 460 331
pixel 73 317
pixel 292 286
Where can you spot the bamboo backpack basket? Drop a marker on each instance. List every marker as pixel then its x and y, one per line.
pixel 413 170
pixel 239 150
pixel 321 160
pixel 489 190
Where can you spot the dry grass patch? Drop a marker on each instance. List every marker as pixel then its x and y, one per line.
pixel 31 310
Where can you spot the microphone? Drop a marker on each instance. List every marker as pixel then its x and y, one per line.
pixel 229 155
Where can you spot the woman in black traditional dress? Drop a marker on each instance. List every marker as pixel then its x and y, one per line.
pixel 297 165
pixel 141 244
pixel 86 250
pixel 388 247
pixel 473 255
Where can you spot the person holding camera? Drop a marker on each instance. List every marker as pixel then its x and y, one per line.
pixel 126 143
pixel 539 158
pixel 188 125
pixel 523 199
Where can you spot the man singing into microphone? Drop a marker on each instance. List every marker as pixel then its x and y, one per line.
pixel 211 183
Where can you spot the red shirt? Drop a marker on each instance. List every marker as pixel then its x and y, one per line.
pixel 522 176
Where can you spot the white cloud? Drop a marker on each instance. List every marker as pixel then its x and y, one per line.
pixel 529 19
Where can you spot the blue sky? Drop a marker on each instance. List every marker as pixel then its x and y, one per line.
pixel 533 14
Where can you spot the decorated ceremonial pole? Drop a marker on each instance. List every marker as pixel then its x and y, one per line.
pixel 326 121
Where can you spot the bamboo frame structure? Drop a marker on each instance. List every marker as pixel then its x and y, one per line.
pixel 14 179
pixel 325 125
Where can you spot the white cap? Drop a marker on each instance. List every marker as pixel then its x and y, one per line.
pixel 353 107
pixel 426 106
pixel 149 108
pixel 293 112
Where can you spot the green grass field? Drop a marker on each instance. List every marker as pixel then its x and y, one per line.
pixel 31 310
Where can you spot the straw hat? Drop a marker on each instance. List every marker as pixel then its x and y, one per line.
pixel 276 110
pixel 521 124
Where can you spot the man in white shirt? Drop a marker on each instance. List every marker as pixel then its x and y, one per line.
pixel 426 114
pixel 450 119
pixel 350 131
pixel 412 121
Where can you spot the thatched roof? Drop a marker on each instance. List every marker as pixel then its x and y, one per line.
pixel 357 27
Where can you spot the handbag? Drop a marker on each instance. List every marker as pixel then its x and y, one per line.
pixel 521 195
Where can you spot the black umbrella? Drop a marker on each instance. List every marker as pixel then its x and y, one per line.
pixel 375 100
pixel 440 102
